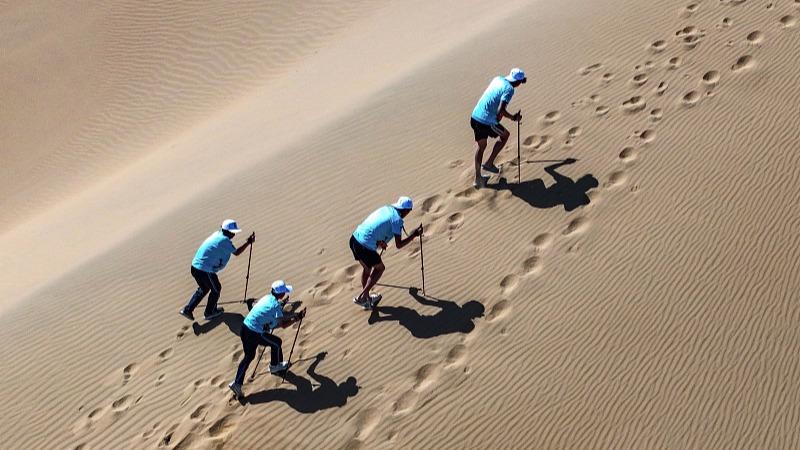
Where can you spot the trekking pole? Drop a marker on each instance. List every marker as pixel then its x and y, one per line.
pixel 253 376
pixel 249 258
pixel 299 324
pixel 422 258
pixel 519 153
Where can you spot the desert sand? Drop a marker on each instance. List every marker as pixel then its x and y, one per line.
pixel 644 295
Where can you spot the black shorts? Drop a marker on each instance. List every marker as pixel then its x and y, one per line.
pixel 360 253
pixel 483 131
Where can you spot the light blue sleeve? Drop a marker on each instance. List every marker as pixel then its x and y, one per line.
pixel 397 226
pixel 231 248
pixel 507 94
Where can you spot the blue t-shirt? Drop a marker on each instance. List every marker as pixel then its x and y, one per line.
pixel 499 90
pixel 214 253
pixel 382 225
pixel 266 312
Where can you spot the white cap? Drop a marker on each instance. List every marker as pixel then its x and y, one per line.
pixel 516 74
pixel 279 287
pixel 230 225
pixel 404 203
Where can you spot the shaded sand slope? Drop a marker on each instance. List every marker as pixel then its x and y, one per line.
pixel 661 314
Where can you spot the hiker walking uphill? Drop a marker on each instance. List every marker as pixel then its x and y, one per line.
pixel 257 328
pixel 211 257
pixel 486 117
pixel 376 231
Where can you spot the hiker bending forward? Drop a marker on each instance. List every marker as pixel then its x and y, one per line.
pixel 257 328
pixel 376 231
pixel 212 257
pixel 485 120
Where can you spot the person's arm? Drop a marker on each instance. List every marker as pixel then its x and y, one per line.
pixel 286 321
pixel 400 242
pixel 249 242
pixel 504 113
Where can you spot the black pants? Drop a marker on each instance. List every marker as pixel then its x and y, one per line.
pixel 250 342
pixel 206 282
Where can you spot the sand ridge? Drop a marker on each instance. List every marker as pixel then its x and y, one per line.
pixel 649 305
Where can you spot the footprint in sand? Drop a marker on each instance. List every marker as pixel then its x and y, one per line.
pixel 127 372
pixel 223 426
pixel 658 46
pixel 425 376
pixel 788 21
pixel 607 77
pixel 589 69
pixel 688 10
pixel 456 355
pixel 617 178
pixel 199 413
pixel 646 136
pixel 601 111
pixel 146 434
pixel 121 404
pixel 551 117
pixel 455 163
pixel 661 89
pixel 755 38
pixel 542 241
pixel 674 62
pixel 165 355
pixel 365 422
pixel 711 78
pixel 405 403
pixel 182 332
pixel 469 197
pixel 628 154
pixel 576 225
pixel 742 63
pixel 340 330
pixel 634 104
pixel 690 98
pixel 656 115
pixel 454 221
pixel 509 283
pixel 639 79
pixel 532 265
pixel 498 311
pixel 432 205
pixel 690 36
pixel 574 132
pixel 160 379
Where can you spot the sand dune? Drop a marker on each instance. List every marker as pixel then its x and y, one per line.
pixel 642 296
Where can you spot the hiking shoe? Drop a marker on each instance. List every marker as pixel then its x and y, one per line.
pixel 480 182
pixel 278 368
pixel 187 314
pixel 237 389
pixel 215 314
pixel 490 168
pixel 362 304
pixel 374 299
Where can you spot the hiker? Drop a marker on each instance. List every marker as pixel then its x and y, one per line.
pixel 257 328
pixel 486 117
pixel 377 230
pixel 211 257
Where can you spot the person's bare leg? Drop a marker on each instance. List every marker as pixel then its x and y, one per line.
pixel 364 274
pixel 480 146
pixel 497 147
pixel 377 271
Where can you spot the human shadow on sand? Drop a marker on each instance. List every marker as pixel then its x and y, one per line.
pixel 232 320
pixel 306 398
pixel 571 194
pixel 452 318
